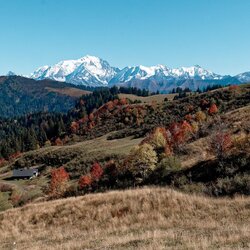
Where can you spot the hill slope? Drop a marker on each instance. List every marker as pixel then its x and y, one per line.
pixel 19 95
pixel 148 218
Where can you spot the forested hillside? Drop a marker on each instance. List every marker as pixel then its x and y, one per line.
pixel 20 96
pixel 32 131
pixel 199 143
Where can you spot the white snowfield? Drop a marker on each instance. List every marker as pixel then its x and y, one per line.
pixel 94 71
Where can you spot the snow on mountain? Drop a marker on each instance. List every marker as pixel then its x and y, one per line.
pixel 161 72
pixel 244 77
pixel 88 70
pixel 93 71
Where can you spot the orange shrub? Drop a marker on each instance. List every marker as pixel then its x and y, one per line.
pixel 123 101
pixel 188 117
pixel 59 180
pixel 110 105
pixel 213 109
pixel 186 127
pixel 84 181
pixel 96 171
pixel 58 142
pixel 74 127
pixel 221 143
pixel 233 87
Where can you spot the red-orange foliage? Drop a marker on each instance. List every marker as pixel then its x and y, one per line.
pixel 110 105
pixel 96 171
pixel 174 128
pixel 178 138
pixel 221 143
pixel 84 181
pixel 84 119
pixel 91 125
pixel 186 127
pixel 74 127
pixel 213 109
pixel 123 101
pixel 59 179
pixel 189 117
pixel 233 87
pixel 15 155
pixel 58 142
pixel 180 132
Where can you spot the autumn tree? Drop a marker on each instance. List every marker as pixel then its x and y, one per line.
pixel 58 142
pixel 74 127
pixel 177 135
pixel 200 116
pixel 234 87
pixel 157 138
pixel 85 181
pixel 96 171
pixel 221 142
pixel 213 109
pixel 59 182
pixel 141 160
pixel 186 128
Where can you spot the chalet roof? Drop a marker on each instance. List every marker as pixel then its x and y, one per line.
pixel 24 172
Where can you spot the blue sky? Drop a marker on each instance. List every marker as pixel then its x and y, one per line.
pixel 212 33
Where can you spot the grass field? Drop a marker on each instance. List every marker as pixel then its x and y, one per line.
pixel 89 150
pixel 73 92
pixel 148 218
pixel 76 158
pixel 148 99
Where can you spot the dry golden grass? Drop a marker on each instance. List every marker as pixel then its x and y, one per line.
pixel 148 99
pixel 74 92
pixel 148 218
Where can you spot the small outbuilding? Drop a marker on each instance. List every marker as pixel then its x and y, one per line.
pixel 24 173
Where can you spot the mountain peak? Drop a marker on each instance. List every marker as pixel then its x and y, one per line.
pixel 10 73
pixel 88 70
pixel 93 71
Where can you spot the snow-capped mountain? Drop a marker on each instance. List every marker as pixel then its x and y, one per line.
pixel 10 73
pixel 93 71
pixel 88 70
pixel 244 77
pixel 161 72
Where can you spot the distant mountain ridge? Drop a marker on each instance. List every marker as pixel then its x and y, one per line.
pixel 94 71
pixel 20 96
pixel 88 70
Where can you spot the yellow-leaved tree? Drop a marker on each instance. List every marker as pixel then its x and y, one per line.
pixel 141 160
